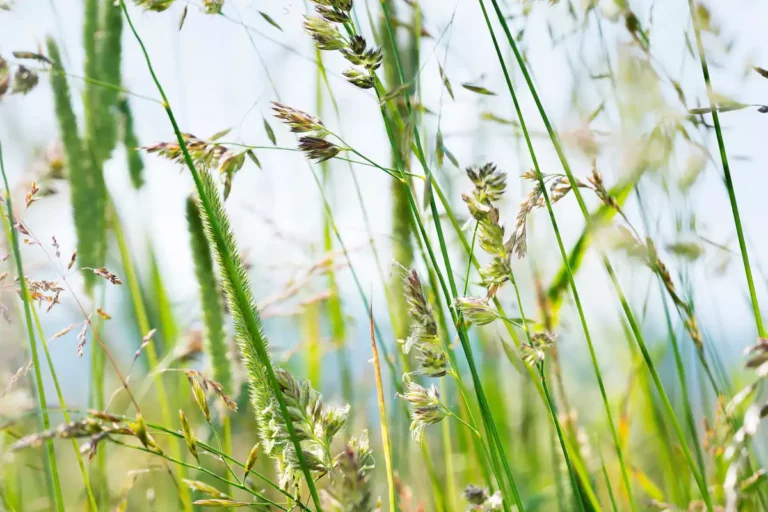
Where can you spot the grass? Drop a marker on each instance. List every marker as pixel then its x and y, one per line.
pixel 454 379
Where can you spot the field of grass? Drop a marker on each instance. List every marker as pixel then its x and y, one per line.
pixel 337 255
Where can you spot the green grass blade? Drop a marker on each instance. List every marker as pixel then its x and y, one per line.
pixel 142 319
pixel 571 280
pixel 64 409
pixel 49 459
pixel 161 313
pixel 727 172
pixel 695 470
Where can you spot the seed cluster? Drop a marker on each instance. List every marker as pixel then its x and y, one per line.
pixel 209 154
pixel 313 140
pixel 20 80
pixel 324 30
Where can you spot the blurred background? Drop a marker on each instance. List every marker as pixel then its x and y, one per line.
pixel 603 95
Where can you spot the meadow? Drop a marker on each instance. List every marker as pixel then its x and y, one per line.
pixel 414 255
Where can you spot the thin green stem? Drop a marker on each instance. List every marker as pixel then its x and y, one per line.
pixel 697 474
pixel 492 431
pixel 469 260
pixel 727 171
pixel 49 459
pixel 63 404
pixel 556 421
pixel 208 472
pixel 142 319
pixel 457 418
pixel 563 254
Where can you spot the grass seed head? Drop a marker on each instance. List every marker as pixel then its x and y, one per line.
pixel 299 121
pixel 189 439
pixel 317 149
pixel 359 78
pixel 326 36
pixel 536 351
pixel 477 310
pixel 427 409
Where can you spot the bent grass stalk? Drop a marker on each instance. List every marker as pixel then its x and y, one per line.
pixel 385 443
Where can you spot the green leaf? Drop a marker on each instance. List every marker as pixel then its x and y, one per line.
pixel 253 157
pixel 270 20
pixel 442 150
pixel 183 17
pixel 763 72
pixel 478 89
pixel 216 136
pixel 720 108
pixel 596 112
pixel 446 82
pixel 490 116
pixel 270 132
pixel 394 93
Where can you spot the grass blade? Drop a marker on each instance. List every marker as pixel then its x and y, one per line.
pixel 49 459
pixel 386 446
pixel 727 172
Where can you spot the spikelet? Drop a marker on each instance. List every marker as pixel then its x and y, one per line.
pixel 351 489
pixel 204 153
pixel 423 338
pixel 324 30
pixel 481 500
pixel 427 409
